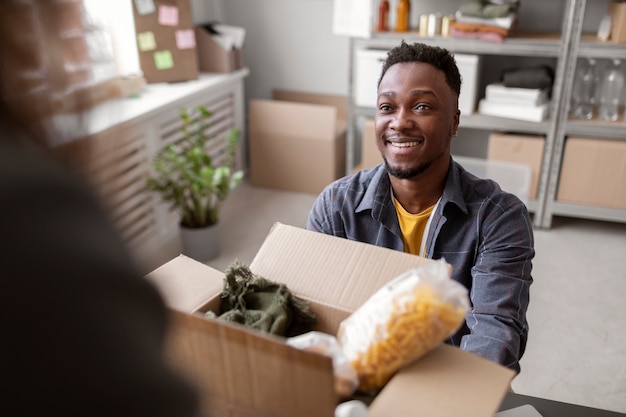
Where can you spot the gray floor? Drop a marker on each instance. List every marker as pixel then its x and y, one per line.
pixel 577 346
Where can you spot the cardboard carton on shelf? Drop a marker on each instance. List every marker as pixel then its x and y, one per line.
pixel 243 372
pixel 593 173
pixel 521 149
pixel 297 140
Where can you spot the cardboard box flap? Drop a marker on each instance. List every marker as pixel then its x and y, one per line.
pixel 336 101
pixel 242 372
pixel 186 284
pixel 323 268
pixel 447 382
pixel 276 118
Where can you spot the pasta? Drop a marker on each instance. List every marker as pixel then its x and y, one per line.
pixel 399 325
pixel 412 330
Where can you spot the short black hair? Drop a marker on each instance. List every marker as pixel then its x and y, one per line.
pixel 439 58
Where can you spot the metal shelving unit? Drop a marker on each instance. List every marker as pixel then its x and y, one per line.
pixel 582 46
pixel 566 47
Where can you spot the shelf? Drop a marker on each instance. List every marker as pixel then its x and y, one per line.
pixel 589 212
pixel 538 44
pixel 596 128
pixel 591 47
pixel 566 48
pixel 481 121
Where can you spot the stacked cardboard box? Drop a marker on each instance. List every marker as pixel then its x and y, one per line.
pixel 297 141
pixel 242 372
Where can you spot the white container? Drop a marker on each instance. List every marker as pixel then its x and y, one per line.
pixel 469 67
pixel 369 64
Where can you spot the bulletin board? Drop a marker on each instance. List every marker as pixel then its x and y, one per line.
pixel 166 40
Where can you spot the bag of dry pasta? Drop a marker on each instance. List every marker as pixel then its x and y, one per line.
pixel 401 322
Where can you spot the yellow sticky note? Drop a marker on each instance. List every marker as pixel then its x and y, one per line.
pixel 146 41
pixel 163 60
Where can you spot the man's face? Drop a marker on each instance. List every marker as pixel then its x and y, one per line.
pixel 416 116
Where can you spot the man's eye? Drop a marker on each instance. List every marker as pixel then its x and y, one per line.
pixel 422 106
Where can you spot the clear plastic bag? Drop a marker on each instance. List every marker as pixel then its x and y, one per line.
pixel 401 322
pixel 346 381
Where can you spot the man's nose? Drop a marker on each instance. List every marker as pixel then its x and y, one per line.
pixel 403 120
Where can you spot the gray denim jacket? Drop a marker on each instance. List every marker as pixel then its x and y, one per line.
pixel 483 232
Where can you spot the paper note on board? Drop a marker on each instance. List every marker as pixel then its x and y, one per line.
pixel 168 15
pixel 146 41
pixel 163 60
pixel 185 39
pixel 145 7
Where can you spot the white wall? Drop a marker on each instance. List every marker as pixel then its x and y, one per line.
pixel 289 45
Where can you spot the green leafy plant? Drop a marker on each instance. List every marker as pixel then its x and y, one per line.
pixel 185 176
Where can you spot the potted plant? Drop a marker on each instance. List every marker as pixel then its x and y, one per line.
pixel 186 177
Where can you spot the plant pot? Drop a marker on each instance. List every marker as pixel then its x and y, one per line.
pixel 201 244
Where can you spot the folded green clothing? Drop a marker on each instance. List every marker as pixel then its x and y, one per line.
pixel 259 303
pixel 487 9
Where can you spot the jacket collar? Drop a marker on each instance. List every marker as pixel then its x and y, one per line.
pixel 377 196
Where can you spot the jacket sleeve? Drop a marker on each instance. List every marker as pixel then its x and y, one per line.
pixel 501 279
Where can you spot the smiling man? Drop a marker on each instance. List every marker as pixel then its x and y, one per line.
pixel 420 201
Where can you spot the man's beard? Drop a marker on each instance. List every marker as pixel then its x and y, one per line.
pixel 405 174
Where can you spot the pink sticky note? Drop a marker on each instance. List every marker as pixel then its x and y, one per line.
pixel 168 15
pixel 185 39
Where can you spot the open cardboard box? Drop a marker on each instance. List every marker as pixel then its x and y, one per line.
pixel 242 372
pixel 297 140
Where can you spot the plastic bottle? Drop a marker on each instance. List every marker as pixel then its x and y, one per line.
pixel 383 16
pixel 584 92
pixel 403 13
pixel 611 92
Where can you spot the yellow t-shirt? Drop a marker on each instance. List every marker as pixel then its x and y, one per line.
pixel 412 227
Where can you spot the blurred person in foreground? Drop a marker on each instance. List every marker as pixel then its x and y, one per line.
pixel 420 201
pixel 82 332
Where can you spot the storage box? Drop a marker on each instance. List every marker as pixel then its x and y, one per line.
pixel 469 67
pixel 593 173
pixel 370 155
pixel 368 67
pixel 212 57
pixel 368 70
pixel 242 372
pixel 617 11
pixel 521 149
pixel 297 141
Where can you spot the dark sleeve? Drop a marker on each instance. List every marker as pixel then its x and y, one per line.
pixel 82 331
pixel 501 279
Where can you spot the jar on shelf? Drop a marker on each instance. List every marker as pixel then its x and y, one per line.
pixel 403 15
pixel 383 16
pixel 611 91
